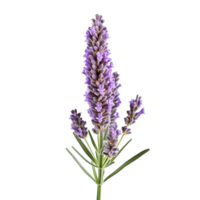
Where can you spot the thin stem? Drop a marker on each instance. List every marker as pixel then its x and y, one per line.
pixel 91 152
pixel 99 192
pixel 105 163
pixel 121 139
pixel 100 164
pixel 100 149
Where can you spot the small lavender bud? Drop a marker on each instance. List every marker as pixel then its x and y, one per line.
pixel 132 113
pixel 126 130
pixel 78 125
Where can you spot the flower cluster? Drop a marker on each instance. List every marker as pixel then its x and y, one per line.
pixel 98 74
pixel 78 125
pixel 110 148
pixel 132 114
pixel 116 99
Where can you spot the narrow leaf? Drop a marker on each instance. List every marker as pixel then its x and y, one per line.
pixel 88 144
pixel 81 156
pixel 78 144
pixel 85 149
pixel 83 169
pixel 102 142
pixel 110 164
pixel 106 133
pixel 127 163
pixel 95 174
pixel 122 149
pixel 92 140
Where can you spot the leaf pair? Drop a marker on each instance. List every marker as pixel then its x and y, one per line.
pixel 87 156
pixel 86 149
pixel 127 163
pixel 82 167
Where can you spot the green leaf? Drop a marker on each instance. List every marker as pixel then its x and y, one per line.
pixel 88 143
pixel 110 164
pixel 127 163
pixel 122 149
pixel 121 139
pixel 95 174
pixel 73 136
pixel 92 140
pixel 102 142
pixel 106 133
pixel 82 167
pixel 84 148
pixel 81 156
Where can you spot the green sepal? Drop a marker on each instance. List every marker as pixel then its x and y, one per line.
pixel 81 166
pixel 81 156
pixel 127 163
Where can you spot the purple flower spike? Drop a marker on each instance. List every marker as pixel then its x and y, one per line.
pixel 110 148
pixel 132 114
pixel 116 99
pixel 78 125
pixel 99 78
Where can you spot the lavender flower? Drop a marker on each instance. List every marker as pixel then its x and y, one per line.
pixel 132 114
pixel 98 75
pixel 78 125
pixel 110 149
pixel 116 99
pixel 126 130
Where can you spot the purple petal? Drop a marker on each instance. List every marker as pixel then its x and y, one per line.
pixel 99 106
pixel 100 117
pixel 101 89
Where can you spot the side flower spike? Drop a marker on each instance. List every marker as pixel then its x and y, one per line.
pixel 78 125
pixel 136 110
pixel 110 149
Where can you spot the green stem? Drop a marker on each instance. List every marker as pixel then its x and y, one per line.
pixel 90 148
pixel 105 163
pixel 100 170
pixel 121 139
pixel 99 192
